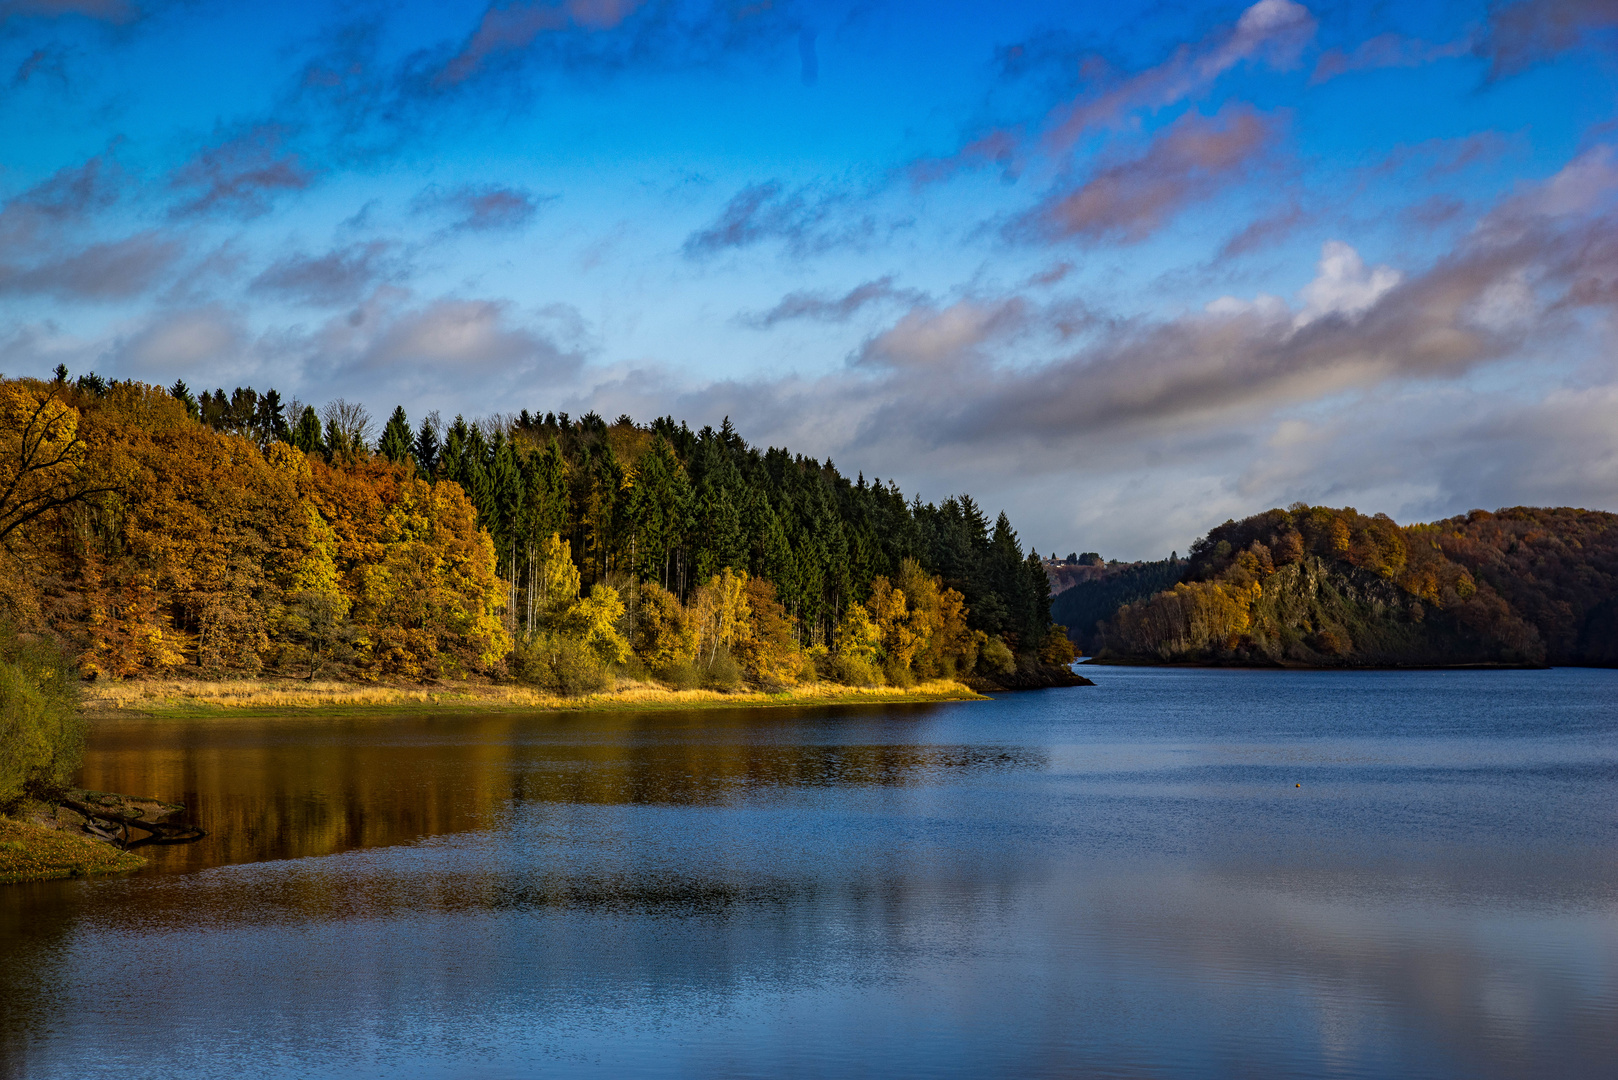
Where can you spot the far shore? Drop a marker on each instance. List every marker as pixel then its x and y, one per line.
pixel 187 698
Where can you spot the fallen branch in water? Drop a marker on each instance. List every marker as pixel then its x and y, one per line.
pixel 160 832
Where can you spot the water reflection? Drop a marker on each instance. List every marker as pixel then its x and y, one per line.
pixel 1029 888
pixel 302 787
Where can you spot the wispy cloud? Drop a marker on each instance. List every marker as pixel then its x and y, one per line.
pixel 804 220
pixel 240 175
pixel 513 27
pixel 1440 158
pixel 1128 201
pixel 482 208
pixel 1387 51
pixel 1263 231
pixel 1525 33
pixel 824 307
pixel 1271 32
pixel 113 11
pixel 335 278
pixel 108 270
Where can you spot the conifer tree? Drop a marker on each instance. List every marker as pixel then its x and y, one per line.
pixel 395 444
pixel 306 436
pixel 425 450
pixel 179 391
pixel 270 419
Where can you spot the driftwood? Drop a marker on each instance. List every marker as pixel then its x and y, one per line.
pixel 123 815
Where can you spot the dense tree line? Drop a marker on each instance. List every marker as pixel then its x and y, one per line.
pixel 241 532
pixel 1318 585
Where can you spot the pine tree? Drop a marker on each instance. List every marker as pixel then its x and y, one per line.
pixel 179 392
pixel 270 420
pixel 395 444
pixel 425 450
pixel 306 436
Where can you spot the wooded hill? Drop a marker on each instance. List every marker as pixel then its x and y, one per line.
pixel 1312 585
pixel 158 532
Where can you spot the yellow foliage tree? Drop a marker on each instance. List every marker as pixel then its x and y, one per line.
pixel 558 584
pixel 768 651
pixel 901 628
pixel 858 638
pixel 41 453
pixel 720 612
pixel 430 605
pixel 593 622
pixel 664 634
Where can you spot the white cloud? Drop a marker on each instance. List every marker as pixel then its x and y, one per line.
pixel 1343 285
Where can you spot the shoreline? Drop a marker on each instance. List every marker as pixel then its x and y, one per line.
pixel 1249 666
pixel 33 852
pixel 188 698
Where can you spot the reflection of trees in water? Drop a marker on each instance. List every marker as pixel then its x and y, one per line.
pixel 291 789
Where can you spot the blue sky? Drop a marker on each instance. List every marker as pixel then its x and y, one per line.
pixel 1123 270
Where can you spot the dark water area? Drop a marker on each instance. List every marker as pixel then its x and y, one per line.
pixel 1121 880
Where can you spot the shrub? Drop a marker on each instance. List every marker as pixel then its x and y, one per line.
pixel 996 658
pixel 41 731
pixel 898 674
pixel 560 664
pixel 1058 649
pixel 634 668
pixel 856 671
pixel 681 675
pixel 724 673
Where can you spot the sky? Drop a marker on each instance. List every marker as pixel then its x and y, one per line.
pixel 1124 271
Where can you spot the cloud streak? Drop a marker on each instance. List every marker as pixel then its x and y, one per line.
pixel 1271 32
pixel 482 208
pixel 1128 201
pixel 1531 31
pixel 240 176
pixel 822 307
pixel 805 221
pixel 337 277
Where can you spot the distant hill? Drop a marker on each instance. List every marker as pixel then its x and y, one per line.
pixel 1093 594
pixel 1317 586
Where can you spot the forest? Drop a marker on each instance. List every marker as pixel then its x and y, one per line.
pixel 1317 586
pixel 157 531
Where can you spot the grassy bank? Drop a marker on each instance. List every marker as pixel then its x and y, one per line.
pixel 181 697
pixel 31 852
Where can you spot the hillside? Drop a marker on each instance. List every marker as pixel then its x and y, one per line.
pixel 1327 587
pixel 1086 603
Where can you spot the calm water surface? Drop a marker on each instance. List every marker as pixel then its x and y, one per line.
pixel 1123 880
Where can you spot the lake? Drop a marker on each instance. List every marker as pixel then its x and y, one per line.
pixel 1174 873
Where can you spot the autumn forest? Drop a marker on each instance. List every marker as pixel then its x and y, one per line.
pixel 158 531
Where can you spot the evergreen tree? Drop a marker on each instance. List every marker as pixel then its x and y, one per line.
pixel 271 419
pixel 179 391
pixel 306 436
pixel 425 450
pixel 395 444
pixel 241 411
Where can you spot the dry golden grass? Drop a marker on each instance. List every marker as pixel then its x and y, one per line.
pixel 188 696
